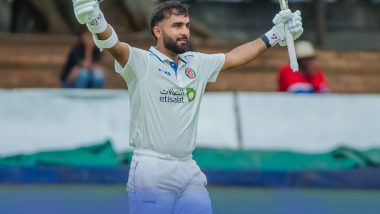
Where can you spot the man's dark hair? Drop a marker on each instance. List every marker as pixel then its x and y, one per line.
pixel 165 10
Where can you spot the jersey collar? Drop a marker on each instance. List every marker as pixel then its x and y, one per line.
pixel 162 57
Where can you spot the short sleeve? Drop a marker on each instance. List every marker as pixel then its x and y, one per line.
pixel 211 65
pixel 138 62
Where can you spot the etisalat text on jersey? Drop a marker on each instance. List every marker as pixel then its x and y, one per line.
pixel 172 96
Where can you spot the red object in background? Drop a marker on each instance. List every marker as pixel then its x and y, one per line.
pixel 296 82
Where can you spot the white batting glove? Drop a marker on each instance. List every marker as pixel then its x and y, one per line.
pixel 277 33
pixel 88 12
pixel 295 25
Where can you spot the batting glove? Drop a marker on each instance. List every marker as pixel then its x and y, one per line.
pixel 88 12
pixel 277 33
pixel 295 25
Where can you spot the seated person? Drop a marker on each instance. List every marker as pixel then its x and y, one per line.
pixel 83 69
pixel 309 79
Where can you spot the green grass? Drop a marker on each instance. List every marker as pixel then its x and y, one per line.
pixel 99 199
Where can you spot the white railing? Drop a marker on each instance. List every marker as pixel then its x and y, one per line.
pixel 34 120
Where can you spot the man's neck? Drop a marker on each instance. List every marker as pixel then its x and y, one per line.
pixel 173 56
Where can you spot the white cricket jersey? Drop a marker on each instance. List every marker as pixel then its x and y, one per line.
pixel 165 98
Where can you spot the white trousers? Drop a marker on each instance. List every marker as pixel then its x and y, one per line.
pixel 158 184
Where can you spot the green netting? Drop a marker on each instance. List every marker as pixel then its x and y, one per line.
pixel 95 155
pixel 220 159
pixel 226 159
pixel 273 160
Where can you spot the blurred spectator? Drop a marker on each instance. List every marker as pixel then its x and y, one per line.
pixel 309 79
pixel 83 68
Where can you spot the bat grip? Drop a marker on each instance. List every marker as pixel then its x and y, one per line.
pixel 291 49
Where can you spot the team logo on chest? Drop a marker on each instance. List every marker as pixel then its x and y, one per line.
pixel 190 73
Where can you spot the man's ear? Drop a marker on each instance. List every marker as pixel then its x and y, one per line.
pixel 157 31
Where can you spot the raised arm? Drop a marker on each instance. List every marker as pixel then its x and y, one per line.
pixel 88 12
pixel 244 54
pixel 247 52
pixel 119 51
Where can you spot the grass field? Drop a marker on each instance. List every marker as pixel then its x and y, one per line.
pixel 104 199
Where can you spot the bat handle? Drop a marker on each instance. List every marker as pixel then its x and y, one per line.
pixel 291 49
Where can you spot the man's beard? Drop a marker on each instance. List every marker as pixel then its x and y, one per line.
pixel 172 45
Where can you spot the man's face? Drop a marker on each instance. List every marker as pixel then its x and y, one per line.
pixel 175 33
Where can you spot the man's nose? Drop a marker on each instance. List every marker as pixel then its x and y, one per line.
pixel 185 31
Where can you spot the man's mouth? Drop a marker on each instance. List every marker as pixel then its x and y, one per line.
pixel 182 40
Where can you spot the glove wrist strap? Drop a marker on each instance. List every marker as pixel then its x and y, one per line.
pixel 108 43
pixel 270 38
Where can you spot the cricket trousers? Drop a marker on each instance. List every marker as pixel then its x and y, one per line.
pixel 160 184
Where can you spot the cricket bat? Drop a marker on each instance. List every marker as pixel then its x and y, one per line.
pixel 289 40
